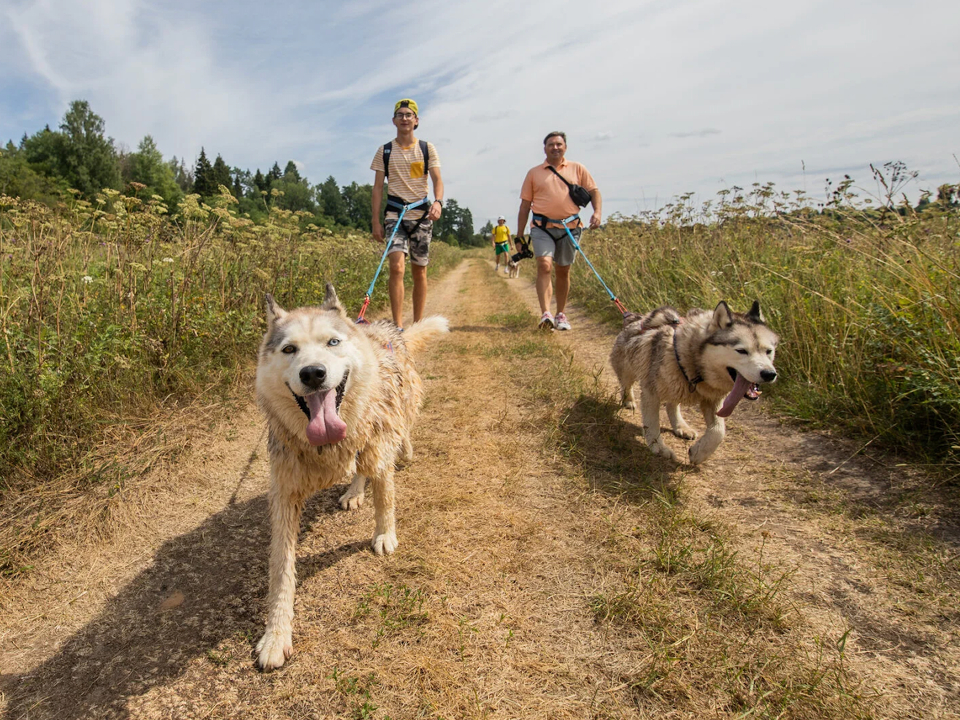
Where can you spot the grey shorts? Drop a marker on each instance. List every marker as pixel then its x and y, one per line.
pixel 555 243
pixel 412 239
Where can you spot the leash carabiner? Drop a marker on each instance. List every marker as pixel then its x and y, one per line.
pixel 366 300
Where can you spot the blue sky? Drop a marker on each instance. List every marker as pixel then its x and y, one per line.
pixel 658 97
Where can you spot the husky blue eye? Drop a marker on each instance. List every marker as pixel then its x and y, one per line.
pixel 289 349
pixel 334 341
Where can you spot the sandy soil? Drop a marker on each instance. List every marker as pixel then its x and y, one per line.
pixel 484 611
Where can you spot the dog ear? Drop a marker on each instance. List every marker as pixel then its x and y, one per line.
pixel 332 302
pixel 755 313
pixel 722 315
pixel 274 311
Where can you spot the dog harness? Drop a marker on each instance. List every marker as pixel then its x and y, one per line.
pixel 691 384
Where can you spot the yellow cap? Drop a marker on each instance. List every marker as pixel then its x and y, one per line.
pixel 407 102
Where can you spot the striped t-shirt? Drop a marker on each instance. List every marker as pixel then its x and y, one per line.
pixel 407 178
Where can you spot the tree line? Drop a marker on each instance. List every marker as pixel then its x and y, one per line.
pixel 79 157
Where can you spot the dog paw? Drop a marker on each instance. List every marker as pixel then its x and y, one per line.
pixel 273 650
pixel 685 432
pixel 386 543
pixel 699 454
pixel 628 405
pixel 351 501
pixel 658 448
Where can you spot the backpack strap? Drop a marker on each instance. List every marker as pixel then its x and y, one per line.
pixel 388 147
pixel 425 151
pixel 386 159
pixel 565 181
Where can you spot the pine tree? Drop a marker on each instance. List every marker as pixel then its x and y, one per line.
pixel 221 175
pixel 290 172
pixel 203 180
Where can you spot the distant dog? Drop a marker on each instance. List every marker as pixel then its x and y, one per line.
pixel 340 401
pixel 523 252
pixel 711 359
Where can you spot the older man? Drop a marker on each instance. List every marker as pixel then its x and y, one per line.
pixel 545 192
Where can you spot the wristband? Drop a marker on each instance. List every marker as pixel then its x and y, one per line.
pixel 439 201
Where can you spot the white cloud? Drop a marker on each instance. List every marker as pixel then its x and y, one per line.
pixel 656 98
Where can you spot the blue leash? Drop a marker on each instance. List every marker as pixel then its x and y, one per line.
pixel 366 300
pixel 576 216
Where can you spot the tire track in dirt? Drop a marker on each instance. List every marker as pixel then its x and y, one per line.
pixel 859 561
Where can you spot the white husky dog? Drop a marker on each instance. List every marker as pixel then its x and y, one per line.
pixel 340 401
pixel 711 359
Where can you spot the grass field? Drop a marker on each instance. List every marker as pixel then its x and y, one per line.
pixel 115 318
pixel 866 301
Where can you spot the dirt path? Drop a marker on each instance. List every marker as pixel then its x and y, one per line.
pixel 510 559
pixel 868 550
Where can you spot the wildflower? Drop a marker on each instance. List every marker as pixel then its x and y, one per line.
pixel 87 279
pixel 167 260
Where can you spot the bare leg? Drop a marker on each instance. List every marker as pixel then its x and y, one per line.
pixel 563 286
pixel 397 262
pixel 544 287
pixel 276 645
pixel 419 290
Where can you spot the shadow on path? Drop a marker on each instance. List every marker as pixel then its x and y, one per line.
pixel 203 587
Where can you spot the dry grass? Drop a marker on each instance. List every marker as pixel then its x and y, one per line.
pixel 548 566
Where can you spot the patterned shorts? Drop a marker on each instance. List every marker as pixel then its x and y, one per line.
pixel 412 238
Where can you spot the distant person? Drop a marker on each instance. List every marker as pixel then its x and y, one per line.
pixel 501 243
pixel 549 196
pixel 409 162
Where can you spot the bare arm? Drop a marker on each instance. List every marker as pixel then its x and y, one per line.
pixel 523 216
pixel 435 209
pixel 376 197
pixel 597 203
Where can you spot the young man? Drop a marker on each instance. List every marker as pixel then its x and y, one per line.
pixel 410 162
pixel 501 243
pixel 549 198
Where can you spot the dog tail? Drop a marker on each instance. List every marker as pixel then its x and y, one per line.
pixel 418 336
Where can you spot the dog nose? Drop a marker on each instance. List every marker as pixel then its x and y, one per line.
pixel 768 375
pixel 313 376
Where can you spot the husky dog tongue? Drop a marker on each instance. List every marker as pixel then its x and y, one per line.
pixel 741 388
pixel 325 425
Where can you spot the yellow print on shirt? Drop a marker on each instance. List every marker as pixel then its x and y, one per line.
pixel 416 170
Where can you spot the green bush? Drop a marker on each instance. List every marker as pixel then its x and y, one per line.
pixel 111 311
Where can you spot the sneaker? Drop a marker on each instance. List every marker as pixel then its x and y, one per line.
pixel 562 322
pixel 546 322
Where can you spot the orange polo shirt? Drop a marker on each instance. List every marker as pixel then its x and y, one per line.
pixel 548 195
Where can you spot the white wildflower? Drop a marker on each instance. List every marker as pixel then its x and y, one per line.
pixel 167 260
pixel 87 279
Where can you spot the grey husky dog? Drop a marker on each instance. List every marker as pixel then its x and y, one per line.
pixel 340 401
pixel 711 359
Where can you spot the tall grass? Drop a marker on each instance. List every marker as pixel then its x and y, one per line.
pixel 111 311
pixel 866 299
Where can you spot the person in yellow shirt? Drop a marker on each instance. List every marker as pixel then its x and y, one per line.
pixel 501 243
